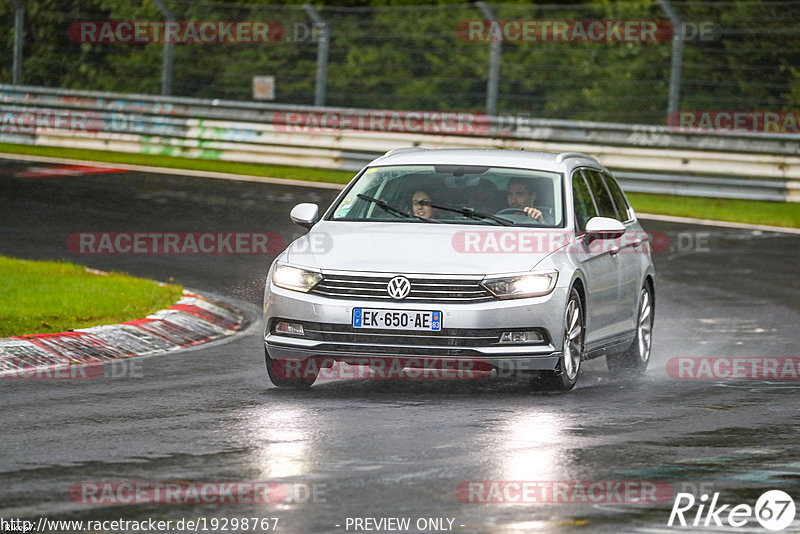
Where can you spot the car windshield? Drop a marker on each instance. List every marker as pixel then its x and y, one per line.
pixel 455 194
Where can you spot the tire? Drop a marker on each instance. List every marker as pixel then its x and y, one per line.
pixel 276 370
pixel 568 368
pixel 633 362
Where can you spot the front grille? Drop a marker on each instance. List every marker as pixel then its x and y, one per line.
pixel 445 290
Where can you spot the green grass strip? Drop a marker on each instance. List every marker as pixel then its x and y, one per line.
pixel 38 297
pixel 719 209
pixel 744 211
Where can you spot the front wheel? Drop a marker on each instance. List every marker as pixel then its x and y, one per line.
pixel 633 362
pixel 566 373
pixel 290 376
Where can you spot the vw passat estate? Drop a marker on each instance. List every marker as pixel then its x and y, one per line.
pixel 512 261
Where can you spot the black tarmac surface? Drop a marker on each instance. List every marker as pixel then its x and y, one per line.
pixel 379 449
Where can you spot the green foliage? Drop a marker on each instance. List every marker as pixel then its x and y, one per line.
pixel 393 54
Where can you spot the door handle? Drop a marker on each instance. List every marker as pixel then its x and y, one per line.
pixel 613 251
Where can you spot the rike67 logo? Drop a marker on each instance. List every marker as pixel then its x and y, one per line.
pixel 774 510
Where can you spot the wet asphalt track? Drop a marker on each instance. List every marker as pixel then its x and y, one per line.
pixel 393 449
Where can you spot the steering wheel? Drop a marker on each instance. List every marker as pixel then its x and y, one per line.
pixel 511 211
pixel 518 212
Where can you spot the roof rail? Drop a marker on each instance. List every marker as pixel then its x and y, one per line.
pixel 403 149
pixel 564 155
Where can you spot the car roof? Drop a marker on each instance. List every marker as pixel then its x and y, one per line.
pixel 525 159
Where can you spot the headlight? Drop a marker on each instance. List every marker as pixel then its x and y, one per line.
pixel 295 278
pixel 521 285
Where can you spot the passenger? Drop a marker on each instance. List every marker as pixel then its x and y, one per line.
pixel 419 208
pixel 483 196
pixel 521 197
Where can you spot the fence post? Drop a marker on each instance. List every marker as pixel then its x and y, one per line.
pixel 322 54
pixel 19 15
pixel 674 103
pixel 166 66
pixel 494 63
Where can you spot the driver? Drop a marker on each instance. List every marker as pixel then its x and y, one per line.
pixel 521 197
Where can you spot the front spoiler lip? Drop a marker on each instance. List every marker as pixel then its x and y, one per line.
pixel 489 352
pixel 519 362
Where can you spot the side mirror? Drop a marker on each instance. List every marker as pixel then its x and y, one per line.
pixel 604 228
pixel 306 214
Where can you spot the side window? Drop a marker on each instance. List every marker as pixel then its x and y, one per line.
pixel 605 206
pixel 619 198
pixel 582 201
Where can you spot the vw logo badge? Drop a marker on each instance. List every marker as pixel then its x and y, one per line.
pixel 399 287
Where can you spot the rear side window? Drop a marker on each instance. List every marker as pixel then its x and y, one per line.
pixel 619 198
pixel 582 201
pixel 605 205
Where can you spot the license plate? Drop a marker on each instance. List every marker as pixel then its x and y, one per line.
pixel 397 319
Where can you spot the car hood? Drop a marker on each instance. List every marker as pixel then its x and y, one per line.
pixel 423 248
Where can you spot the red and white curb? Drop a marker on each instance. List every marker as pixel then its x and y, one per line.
pixel 193 320
pixel 64 170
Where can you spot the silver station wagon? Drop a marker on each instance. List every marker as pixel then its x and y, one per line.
pixel 507 261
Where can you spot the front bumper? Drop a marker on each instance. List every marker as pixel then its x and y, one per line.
pixel 541 313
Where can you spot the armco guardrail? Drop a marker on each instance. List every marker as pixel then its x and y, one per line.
pixel 646 158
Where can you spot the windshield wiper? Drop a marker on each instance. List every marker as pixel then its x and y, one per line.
pixel 388 208
pixel 471 213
